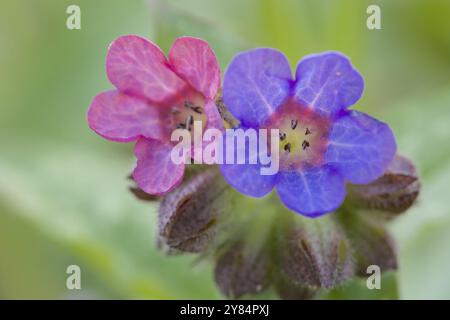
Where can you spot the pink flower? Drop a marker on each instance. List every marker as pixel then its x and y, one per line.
pixel 154 96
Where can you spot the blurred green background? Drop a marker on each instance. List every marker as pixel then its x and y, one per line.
pixel 63 190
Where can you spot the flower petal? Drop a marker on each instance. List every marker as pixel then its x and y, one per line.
pixel 256 83
pixel 120 117
pixel 138 67
pixel 245 178
pixel 195 62
pixel 213 121
pixel 360 146
pixel 327 82
pixel 155 173
pixel 312 192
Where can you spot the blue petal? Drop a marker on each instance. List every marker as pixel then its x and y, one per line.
pixel 312 192
pixel 255 85
pixel 327 82
pixel 360 146
pixel 245 178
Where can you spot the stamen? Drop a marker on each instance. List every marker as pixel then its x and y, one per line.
pixel 305 144
pixel 294 124
pixel 181 126
pixel 174 111
pixel 282 136
pixel 198 109
pixel 189 122
pixel 287 147
pixel 188 104
pixel 308 132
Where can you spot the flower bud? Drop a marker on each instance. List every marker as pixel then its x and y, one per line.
pixel 288 290
pixel 371 242
pixel 188 215
pixel 241 270
pixel 394 192
pixel 316 253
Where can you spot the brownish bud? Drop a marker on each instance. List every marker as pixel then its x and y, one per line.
pixel 394 192
pixel 370 240
pixel 317 254
pixel 288 290
pixel 188 215
pixel 142 195
pixel 240 270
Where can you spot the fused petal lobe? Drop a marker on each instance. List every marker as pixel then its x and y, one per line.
pixel 213 118
pixel 311 192
pixel 155 173
pixel 327 82
pixel 245 177
pixel 194 61
pixel 138 67
pixel 120 117
pixel 213 121
pixel 360 147
pixel 256 84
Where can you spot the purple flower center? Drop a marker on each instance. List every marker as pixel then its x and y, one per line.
pixel 303 135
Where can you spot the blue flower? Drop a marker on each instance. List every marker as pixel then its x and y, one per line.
pixel 323 145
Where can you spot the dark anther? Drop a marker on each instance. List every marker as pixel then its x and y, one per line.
pixel 287 147
pixel 294 124
pixel 189 122
pixel 181 126
pixel 308 132
pixel 305 144
pixel 198 109
pixel 188 104
pixel 282 136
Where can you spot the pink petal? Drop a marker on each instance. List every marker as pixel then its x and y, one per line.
pixel 137 66
pixel 155 173
pixel 195 62
pixel 120 117
pixel 214 120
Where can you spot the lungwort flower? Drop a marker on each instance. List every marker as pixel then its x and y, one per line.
pixel 154 96
pixel 322 145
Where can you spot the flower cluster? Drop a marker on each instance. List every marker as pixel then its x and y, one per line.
pixel 331 159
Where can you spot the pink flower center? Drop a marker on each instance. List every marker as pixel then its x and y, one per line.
pixel 303 135
pixel 185 111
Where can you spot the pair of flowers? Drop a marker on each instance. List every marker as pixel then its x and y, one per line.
pixel 322 144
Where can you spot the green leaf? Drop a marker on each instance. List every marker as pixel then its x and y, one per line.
pixel 81 200
pixel 422 130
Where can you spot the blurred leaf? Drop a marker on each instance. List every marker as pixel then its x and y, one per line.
pixel 183 21
pixel 422 130
pixel 81 200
